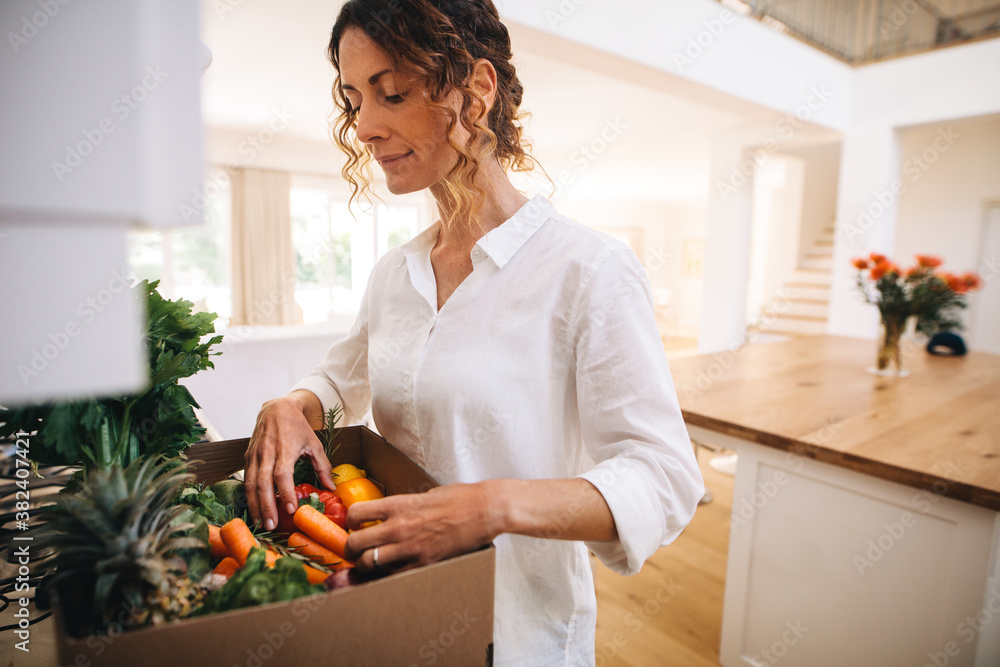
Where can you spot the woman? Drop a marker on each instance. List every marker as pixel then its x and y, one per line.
pixel 505 349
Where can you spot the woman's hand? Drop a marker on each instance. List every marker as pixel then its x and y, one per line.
pixel 283 433
pixel 422 528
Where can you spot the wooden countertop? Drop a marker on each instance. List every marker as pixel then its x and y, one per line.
pixel 938 429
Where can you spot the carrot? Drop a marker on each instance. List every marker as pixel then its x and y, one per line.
pixel 270 558
pixel 307 546
pixel 238 540
pixel 313 523
pixel 313 575
pixel 215 542
pixel 227 567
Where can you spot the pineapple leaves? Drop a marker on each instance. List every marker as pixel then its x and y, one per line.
pixel 118 539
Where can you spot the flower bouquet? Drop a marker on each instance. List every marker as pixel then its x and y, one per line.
pixel 919 298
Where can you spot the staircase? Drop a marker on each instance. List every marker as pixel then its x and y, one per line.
pixel 807 293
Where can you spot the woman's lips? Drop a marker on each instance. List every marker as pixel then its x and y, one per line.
pixel 392 160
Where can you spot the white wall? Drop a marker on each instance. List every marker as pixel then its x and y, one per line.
pixel 664 228
pixel 944 213
pixel 254 148
pixel 702 42
pixel 778 209
pixel 943 86
pixel 819 194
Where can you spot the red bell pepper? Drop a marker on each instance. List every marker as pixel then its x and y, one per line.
pixel 333 507
pixel 327 502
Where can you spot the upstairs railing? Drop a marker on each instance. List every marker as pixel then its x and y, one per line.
pixel 861 31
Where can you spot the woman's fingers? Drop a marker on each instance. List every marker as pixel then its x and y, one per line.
pixel 284 479
pixel 249 480
pixel 320 463
pixel 360 541
pixel 418 528
pixel 370 510
pixel 281 435
pixel 392 553
pixel 263 488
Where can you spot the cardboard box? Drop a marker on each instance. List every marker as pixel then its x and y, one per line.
pixel 441 614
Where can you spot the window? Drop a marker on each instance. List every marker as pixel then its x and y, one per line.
pixel 191 263
pixel 336 251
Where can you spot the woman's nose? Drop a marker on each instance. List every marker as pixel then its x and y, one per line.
pixel 370 125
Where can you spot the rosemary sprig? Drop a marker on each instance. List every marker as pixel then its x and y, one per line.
pixel 330 420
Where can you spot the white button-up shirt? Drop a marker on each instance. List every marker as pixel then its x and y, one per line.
pixel 545 360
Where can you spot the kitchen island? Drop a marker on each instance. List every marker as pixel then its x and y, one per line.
pixel 865 523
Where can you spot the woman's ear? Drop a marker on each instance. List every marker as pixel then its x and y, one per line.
pixel 484 82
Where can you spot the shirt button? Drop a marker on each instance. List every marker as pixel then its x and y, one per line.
pixel 477 254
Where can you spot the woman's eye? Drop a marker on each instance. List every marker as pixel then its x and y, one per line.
pixel 395 99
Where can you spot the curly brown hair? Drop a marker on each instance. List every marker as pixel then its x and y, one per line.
pixel 439 42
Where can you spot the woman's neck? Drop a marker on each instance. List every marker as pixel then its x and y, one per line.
pixel 502 201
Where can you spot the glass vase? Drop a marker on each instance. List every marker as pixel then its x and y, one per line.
pixel 895 346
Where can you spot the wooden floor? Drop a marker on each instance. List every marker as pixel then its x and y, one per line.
pixel 670 614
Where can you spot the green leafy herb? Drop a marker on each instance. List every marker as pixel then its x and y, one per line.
pixel 198 559
pixel 303 472
pixel 257 584
pixel 202 501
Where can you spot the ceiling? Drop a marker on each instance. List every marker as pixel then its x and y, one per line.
pixel 861 31
pixel 269 55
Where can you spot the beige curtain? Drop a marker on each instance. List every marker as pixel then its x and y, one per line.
pixel 263 258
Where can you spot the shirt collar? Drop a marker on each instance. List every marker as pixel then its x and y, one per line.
pixel 504 241
pixel 422 242
pixel 500 243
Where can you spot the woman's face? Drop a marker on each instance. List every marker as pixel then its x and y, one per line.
pixel 406 135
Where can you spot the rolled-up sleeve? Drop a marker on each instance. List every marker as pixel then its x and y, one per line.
pixel 629 414
pixel 342 376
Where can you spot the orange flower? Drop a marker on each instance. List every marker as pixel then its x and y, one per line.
pixel 914 271
pixel 972 281
pixel 877 258
pixel 954 283
pixel 880 269
pixel 893 268
pixel 929 261
pixel 860 263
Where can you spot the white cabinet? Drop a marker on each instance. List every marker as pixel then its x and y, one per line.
pixel 101 131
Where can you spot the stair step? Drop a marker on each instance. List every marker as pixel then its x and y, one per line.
pixel 794 325
pixel 810 291
pixel 789 315
pixel 812 276
pixel 815 309
pixel 823 263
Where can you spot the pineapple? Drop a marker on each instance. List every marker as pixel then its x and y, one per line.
pixel 116 556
